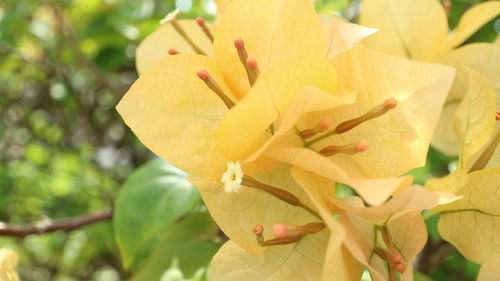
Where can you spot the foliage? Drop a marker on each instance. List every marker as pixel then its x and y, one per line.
pixel 64 150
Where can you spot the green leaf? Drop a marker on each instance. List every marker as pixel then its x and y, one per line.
pixel 421 277
pixel 151 200
pixel 189 242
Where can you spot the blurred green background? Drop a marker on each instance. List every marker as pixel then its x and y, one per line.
pixel 64 151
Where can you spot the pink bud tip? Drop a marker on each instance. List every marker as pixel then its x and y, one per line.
pixel 172 52
pixel 400 267
pixel 390 103
pixel 325 123
pixel 280 230
pixel 258 229
pixel 361 146
pixel 497 115
pixel 200 21
pixel 447 5
pixel 203 74
pixel 239 44
pixel 252 63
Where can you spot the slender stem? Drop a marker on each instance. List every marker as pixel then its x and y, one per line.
pixel 68 224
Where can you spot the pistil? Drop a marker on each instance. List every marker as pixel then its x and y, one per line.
pixel 212 84
pixel 172 18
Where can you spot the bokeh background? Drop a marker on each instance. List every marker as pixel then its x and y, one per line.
pixel 64 151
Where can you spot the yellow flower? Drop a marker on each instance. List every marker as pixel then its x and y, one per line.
pixel 178 102
pixel 419 30
pixel 391 234
pixel 397 139
pixel 8 264
pixel 470 223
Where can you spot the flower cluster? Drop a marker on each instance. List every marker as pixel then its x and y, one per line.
pixel 272 106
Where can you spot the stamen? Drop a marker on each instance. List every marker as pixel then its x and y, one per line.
pixel 323 125
pixel 391 255
pixel 393 259
pixel 258 230
pixel 201 22
pixel 447 7
pixel 374 113
pixel 172 18
pixel 172 52
pixel 354 148
pixel 353 123
pixel 250 64
pixel 486 155
pixel 252 70
pixel 282 230
pixel 279 193
pixel 212 84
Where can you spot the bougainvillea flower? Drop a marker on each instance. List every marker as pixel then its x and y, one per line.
pixel 469 223
pixel 401 135
pixel 383 239
pixel 177 103
pixel 419 30
pixel 481 57
pixel 8 264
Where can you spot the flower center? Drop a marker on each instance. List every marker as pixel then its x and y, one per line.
pixel 232 178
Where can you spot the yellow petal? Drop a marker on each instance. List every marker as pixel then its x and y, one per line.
pixel 156 45
pixel 373 191
pixel 222 5
pixel 244 128
pixel 470 223
pixel 408 28
pixel 398 140
pixel 175 114
pixel 480 57
pixel 272 31
pixel 474 118
pixel 238 213
pixel 473 19
pixel 302 261
pixel 341 37
pixel 490 269
pixel 8 264
pixel 445 139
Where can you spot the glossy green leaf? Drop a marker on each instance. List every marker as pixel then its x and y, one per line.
pixel 189 242
pixel 150 201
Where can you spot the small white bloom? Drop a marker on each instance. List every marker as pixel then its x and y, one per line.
pixel 232 177
pixel 170 16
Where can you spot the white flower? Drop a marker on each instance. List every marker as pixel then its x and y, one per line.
pixel 232 177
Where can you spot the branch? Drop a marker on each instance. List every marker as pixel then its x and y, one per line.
pixel 47 226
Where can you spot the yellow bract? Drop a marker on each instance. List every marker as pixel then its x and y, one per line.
pixel 8 264
pixel 401 215
pixel 470 223
pixel 282 30
pixel 156 45
pixel 419 29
